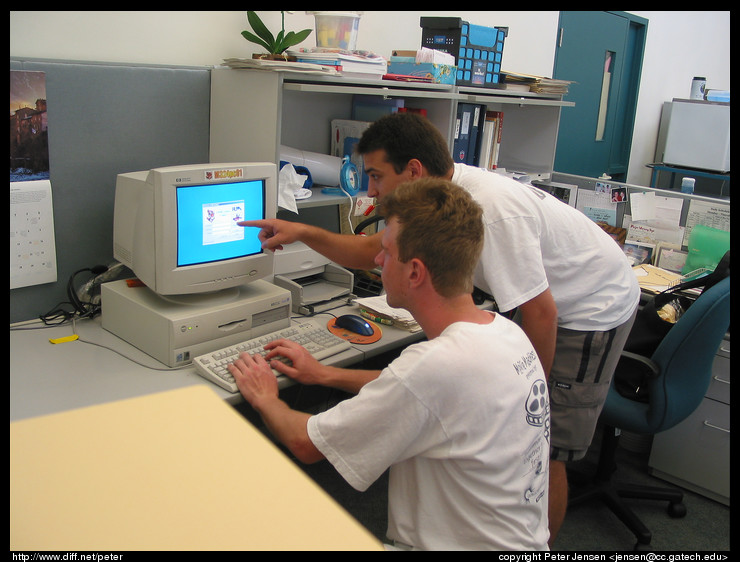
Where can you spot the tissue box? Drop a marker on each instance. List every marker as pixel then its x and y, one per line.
pixel 407 66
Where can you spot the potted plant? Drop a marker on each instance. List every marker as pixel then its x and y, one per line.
pixel 275 45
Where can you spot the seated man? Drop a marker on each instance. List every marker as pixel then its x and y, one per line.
pixel 573 288
pixel 462 419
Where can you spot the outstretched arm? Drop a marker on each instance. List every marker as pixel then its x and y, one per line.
pixel 347 250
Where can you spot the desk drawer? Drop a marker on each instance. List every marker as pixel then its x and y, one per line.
pixel 719 388
pixel 695 454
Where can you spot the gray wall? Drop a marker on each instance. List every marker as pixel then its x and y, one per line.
pixel 105 119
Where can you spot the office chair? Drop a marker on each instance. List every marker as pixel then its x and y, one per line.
pixel 367 283
pixel 680 373
pixel 367 222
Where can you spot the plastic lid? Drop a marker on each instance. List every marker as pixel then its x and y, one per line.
pixel 688 182
pixel 336 14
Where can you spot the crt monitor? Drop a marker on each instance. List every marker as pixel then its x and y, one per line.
pixel 176 227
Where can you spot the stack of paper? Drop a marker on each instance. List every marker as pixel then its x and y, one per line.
pixel 380 311
pixel 362 64
pixel 281 65
pixel 654 279
pixel 538 84
pixel 550 86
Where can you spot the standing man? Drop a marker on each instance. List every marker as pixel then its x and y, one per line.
pixel 461 419
pixel 574 289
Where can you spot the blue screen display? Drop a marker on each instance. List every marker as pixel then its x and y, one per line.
pixel 207 217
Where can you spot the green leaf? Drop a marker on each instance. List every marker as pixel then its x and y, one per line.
pixel 259 28
pixel 292 38
pixel 254 39
pixel 301 35
pixel 264 38
pixel 277 47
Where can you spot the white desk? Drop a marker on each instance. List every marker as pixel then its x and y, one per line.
pixel 136 464
pixel 47 378
pixel 147 473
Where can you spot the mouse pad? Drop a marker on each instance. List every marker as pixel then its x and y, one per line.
pixel 351 337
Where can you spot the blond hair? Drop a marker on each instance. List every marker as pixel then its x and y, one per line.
pixel 440 224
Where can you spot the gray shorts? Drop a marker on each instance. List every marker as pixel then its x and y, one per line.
pixel 579 381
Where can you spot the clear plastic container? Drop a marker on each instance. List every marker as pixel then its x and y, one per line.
pixel 337 30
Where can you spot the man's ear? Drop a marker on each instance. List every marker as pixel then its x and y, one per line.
pixel 416 168
pixel 417 273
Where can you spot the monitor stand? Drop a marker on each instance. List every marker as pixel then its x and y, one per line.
pixel 175 328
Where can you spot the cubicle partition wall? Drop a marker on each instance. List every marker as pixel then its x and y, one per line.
pixel 694 209
pixel 108 118
pixel 104 119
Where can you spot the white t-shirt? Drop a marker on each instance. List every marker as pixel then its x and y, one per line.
pixel 463 423
pixel 534 241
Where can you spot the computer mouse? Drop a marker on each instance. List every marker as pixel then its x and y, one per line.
pixel 354 323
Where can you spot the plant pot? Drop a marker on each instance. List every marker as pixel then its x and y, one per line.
pixel 271 56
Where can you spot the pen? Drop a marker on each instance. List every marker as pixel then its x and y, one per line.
pixel 369 316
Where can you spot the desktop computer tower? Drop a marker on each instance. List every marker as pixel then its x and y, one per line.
pixel 174 329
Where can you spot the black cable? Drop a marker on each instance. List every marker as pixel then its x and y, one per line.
pixel 83 309
pixel 59 314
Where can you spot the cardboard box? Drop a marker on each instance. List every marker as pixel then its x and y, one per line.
pixel 439 73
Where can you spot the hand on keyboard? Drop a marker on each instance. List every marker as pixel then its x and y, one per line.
pixel 293 360
pixel 300 342
pixel 253 377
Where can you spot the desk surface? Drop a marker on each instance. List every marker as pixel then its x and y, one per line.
pixel 47 378
pixel 148 474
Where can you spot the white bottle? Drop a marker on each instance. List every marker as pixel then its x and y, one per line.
pixel 698 85
pixel 687 185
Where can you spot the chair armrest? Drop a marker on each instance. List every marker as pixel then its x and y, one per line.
pixel 652 369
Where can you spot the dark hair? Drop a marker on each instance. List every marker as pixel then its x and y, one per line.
pixel 440 224
pixel 404 136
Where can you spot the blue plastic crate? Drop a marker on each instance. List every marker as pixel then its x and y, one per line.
pixel 478 50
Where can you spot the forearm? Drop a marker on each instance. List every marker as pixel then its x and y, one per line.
pixel 347 250
pixel 289 427
pixel 543 341
pixel 349 380
pixel 540 323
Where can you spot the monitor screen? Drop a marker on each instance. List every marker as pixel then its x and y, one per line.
pixel 176 227
pixel 207 217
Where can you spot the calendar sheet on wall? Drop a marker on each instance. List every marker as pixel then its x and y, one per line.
pixel 32 246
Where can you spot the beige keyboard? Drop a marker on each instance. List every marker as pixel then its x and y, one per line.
pixel 315 337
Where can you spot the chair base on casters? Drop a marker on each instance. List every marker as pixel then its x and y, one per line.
pixel 602 488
